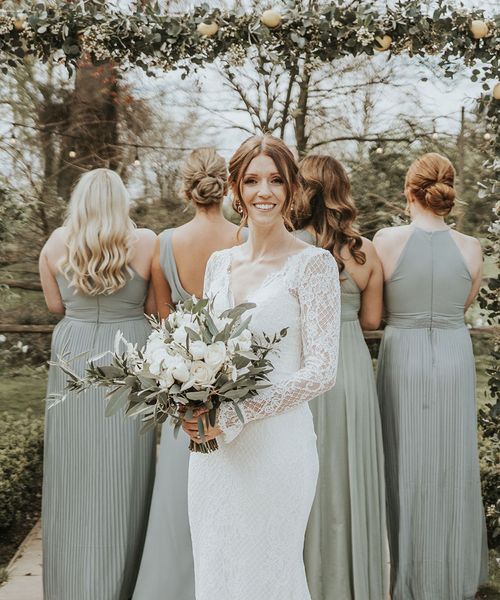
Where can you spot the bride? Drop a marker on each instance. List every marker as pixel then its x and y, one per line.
pixel 250 500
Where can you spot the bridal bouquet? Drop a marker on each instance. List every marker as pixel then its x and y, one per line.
pixel 192 360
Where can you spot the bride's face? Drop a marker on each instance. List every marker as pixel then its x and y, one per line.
pixel 263 191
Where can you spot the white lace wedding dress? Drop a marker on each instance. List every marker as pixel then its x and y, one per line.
pixel 249 501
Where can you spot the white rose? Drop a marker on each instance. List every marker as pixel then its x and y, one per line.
pixel 188 320
pixel 244 341
pixel 156 359
pixel 216 355
pixel 201 373
pixel 166 379
pixel 180 336
pixel 198 350
pixel 180 370
pixel 155 342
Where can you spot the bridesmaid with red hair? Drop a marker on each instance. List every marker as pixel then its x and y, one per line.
pixel 426 388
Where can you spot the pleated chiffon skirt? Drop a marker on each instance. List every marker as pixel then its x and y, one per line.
pixel 437 535
pixel 346 551
pixel 98 476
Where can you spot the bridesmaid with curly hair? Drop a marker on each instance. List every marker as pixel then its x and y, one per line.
pixel 345 548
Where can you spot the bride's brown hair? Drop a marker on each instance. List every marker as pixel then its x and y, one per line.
pixel 327 205
pixel 285 163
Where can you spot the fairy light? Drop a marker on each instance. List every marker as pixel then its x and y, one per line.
pixel 137 160
pixel 379 150
pixel 487 136
pixel 13 139
pixel 72 154
pixel 435 135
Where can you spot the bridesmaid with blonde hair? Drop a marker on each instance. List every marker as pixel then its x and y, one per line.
pixel 346 540
pixel 426 388
pixel 179 262
pixel 98 470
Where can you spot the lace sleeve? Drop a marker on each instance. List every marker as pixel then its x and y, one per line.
pixel 318 294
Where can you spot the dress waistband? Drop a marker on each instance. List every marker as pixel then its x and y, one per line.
pixel 99 321
pixel 425 322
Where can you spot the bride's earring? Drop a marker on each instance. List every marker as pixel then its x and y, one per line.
pixel 237 205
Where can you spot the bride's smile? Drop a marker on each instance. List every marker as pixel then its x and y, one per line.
pixel 263 190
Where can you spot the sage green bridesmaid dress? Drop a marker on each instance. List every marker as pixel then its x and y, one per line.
pixel 345 552
pixel 98 470
pixel 426 389
pixel 167 570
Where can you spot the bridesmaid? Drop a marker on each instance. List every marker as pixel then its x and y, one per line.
pixel 346 539
pixel 426 382
pixel 179 261
pixel 98 471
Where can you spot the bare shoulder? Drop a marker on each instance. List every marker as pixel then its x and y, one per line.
pixel 392 234
pixel 145 235
pixel 466 241
pixel 55 244
pixel 368 247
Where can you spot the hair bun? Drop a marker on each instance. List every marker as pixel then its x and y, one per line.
pixel 430 180
pixel 204 177
pixel 440 197
pixel 208 190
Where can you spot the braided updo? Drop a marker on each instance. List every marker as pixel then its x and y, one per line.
pixel 430 180
pixel 204 177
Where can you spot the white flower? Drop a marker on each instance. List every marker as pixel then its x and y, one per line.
pixel 2 339
pixel 188 320
pixel 201 373
pixel 179 368
pixel 198 349
pixel 156 360
pixel 180 336
pixel 243 341
pixel 172 319
pixel 216 355
pixel 166 379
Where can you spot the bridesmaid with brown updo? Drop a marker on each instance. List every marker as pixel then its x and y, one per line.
pixel 178 270
pixel 426 390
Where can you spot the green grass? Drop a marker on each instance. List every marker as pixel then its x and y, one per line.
pixel 23 389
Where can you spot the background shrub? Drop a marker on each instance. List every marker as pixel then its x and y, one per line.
pixel 21 459
pixel 489 454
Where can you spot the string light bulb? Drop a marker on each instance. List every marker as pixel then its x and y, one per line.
pixel 137 160
pixel 435 135
pixel 13 139
pixel 487 136
pixel 72 154
pixel 379 150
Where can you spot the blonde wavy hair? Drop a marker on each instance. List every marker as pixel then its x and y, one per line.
pixel 100 234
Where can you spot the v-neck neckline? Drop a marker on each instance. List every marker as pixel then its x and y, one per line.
pixel 265 281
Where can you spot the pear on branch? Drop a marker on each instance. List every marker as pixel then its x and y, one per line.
pixel 383 43
pixel 271 18
pixel 479 29
pixel 208 29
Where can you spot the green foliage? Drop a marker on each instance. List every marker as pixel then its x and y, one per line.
pixel 21 459
pixel 12 212
pixel 489 454
pixel 64 31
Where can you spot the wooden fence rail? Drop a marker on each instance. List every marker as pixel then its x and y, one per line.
pixel 369 335
pixel 24 285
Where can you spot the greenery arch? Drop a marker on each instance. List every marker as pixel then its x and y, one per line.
pixel 82 31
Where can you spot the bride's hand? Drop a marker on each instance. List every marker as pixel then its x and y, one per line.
pixel 191 428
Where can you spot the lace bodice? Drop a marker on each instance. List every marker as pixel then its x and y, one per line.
pixel 303 295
